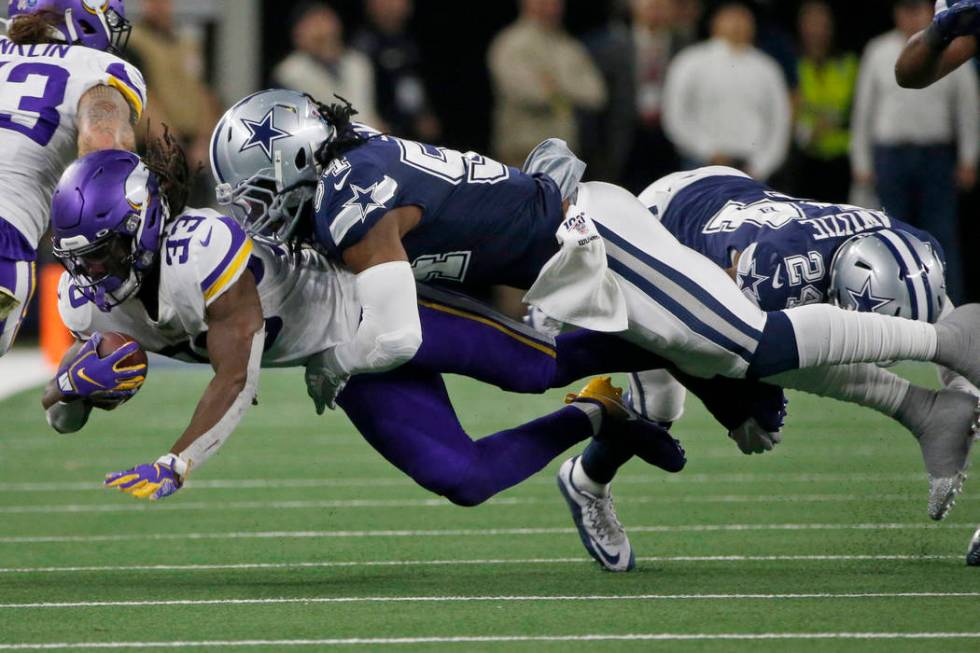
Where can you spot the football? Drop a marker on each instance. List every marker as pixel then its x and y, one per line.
pixel 111 341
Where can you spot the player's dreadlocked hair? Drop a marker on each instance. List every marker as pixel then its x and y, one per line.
pixel 339 115
pixel 166 159
pixel 34 29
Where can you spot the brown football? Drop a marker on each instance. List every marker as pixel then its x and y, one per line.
pixel 111 341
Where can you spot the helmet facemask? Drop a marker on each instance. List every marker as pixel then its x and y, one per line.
pixel 267 210
pixel 104 271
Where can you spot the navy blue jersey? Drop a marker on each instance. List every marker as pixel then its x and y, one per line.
pixel 791 242
pixel 482 222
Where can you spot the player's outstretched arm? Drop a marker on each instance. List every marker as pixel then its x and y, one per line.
pixel 236 336
pixel 105 121
pixel 390 332
pixel 949 42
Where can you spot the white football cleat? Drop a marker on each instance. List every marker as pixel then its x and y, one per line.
pixel 598 526
pixel 973 553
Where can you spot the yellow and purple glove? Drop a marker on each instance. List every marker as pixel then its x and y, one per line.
pixel 87 376
pixel 156 481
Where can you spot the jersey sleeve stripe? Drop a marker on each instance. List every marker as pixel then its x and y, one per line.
pixel 238 239
pixel 230 273
pixel 131 96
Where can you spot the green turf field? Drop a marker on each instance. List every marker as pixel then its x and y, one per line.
pixel 299 537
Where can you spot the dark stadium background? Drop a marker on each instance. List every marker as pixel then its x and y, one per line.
pixel 454 36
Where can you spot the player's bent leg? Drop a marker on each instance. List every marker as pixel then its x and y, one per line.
pixel 462 336
pixel 407 416
pixel 943 422
pixel 17 283
pixel 587 492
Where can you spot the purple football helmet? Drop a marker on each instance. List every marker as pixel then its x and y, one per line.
pixel 99 24
pixel 107 219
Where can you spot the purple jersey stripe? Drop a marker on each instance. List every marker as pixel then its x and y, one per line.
pixel 120 72
pixel 237 241
pixel 13 245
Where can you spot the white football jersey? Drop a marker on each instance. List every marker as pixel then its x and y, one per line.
pixel 40 87
pixel 308 302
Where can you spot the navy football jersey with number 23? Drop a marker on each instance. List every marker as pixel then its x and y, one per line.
pixel 482 222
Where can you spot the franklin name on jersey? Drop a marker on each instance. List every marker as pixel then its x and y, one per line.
pixel 40 88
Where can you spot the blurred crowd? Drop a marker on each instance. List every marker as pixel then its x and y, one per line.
pixel 672 84
pixel 661 85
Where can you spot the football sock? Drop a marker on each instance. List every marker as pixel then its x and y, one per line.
pixel 915 407
pixel 862 383
pixel 602 459
pixel 820 334
pixel 584 482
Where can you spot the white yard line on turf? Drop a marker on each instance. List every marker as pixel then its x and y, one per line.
pixel 485 639
pixel 179 506
pixel 462 532
pixel 246 566
pixel 303 483
pixel 148 603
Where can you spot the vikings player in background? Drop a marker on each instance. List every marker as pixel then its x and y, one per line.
pixel 948 43
pixel 63 93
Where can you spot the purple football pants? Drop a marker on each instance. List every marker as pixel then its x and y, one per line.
pixel 407 416
pixel 17 282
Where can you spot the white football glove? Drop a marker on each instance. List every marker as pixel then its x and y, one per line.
pixel 324 380
pixel 752 438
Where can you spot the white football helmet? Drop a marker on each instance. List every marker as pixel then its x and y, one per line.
pixel 891 272
pixel 263 156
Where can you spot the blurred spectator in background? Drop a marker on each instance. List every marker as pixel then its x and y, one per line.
pixel 774 39
pixel 607 134
pixel 725 102
pixel 916 146
pixel 402 102
pixel 174 70
pixel 654 46
pixel 824 98
pixel 687 22
pixel 541 75
pixel 323 66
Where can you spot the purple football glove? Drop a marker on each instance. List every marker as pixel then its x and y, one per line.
pixel 962 19
pixel 153 482
pixel 87 376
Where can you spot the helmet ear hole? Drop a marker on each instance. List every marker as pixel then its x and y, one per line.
pixel 301 159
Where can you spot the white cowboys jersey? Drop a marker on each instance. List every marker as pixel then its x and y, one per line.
pixel 40 87
pixel 308 303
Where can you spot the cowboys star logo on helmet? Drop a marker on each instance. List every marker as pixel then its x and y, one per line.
pixel 263 133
